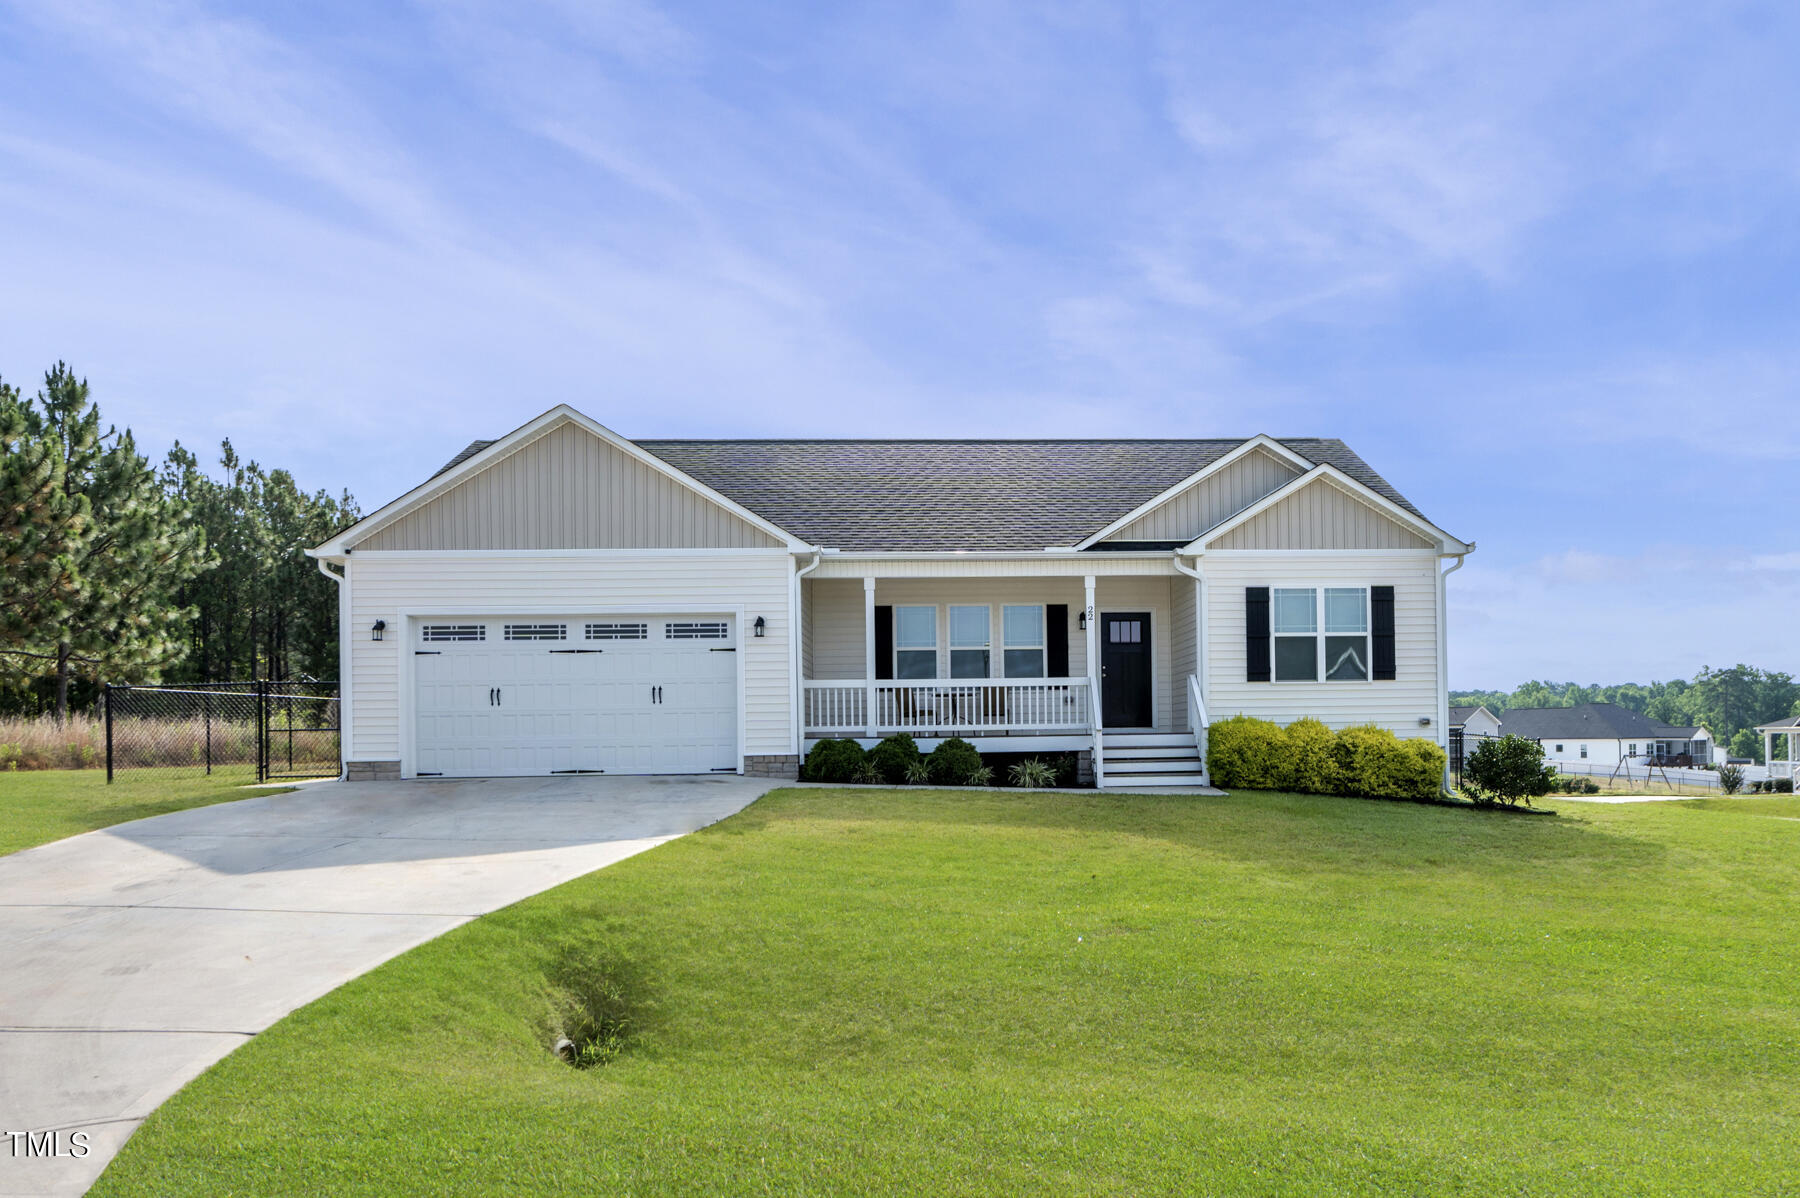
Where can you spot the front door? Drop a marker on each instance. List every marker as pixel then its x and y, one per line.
pixel 1125 669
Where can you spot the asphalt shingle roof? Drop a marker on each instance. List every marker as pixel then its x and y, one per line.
pixel 950 495
pixel 1598 721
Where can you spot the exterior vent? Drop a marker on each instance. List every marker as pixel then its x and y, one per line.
pixel 618 632
pixel 697 630
pixel 537 632
pixel 455 632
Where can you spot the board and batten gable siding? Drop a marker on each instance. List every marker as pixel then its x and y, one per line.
pixel 1396 704
pixel 1214 499
pixel 569 489
pixel 1320 515
pixel 382 587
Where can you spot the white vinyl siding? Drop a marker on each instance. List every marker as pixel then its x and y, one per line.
pixel 569 489
pixel 1215 498
pixel 709 585
pixel 1182 638
pixel 1321 516
pixel 1396 704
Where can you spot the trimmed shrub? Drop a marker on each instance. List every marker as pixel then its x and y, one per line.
pixel 1510 769
pixel 1033 774
pixel 1374 763
pixel 894 756
pixel 834 761
pixel 1247 753
pixel 1312 766
pixel 955 763
pixel 1784 786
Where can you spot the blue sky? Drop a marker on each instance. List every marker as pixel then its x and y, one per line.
pixel 1537 263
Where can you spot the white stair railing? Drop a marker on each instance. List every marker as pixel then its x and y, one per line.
pixel 1197 720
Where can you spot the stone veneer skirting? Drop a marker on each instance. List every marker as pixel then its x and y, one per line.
pixel 372 771
pixel 775 765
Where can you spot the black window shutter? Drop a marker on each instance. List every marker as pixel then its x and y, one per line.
pixel 884 642
pixel 1381 615
pixel 1056 640
pixel 1256 634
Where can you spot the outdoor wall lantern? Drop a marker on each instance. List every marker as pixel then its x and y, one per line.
pixel 1083 624
pixel 379 628
pixel 1424 721
pixel 761 625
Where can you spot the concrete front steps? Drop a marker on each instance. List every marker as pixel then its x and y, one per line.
pixel 1145 760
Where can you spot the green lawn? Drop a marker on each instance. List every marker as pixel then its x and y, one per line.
pixel 869 992
pixel 38 806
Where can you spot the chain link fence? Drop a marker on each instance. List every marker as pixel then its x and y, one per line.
pixel 259 731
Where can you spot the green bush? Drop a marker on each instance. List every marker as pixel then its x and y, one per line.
pixel 1784 786
pixel 1512 768
pixel 1731 779
pixel 1033 774
pixel 918 773
pixel 1374 763
pixel 955 762
pixel 1312 766
pixel 894 757
pixel 834 761
pixel 1246 753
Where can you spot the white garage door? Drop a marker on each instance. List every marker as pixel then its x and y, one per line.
pixel 519 695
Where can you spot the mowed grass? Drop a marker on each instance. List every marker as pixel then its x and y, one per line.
pixel 38 806
pixel 869 992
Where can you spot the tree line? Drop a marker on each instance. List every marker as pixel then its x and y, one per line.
pixel 112 570
pixel 1728 703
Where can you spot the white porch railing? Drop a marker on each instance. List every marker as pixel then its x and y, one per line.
pixel 1197 720
pixel 839 707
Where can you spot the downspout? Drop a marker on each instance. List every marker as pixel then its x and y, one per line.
pixel 343 590
pixel 1443 657
pixel 796 696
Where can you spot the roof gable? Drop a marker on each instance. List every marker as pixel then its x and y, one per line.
pixel 1320 510
pixel 561 481
pixel 1210 496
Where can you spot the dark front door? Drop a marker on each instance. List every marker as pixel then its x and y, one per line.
pixel 1125 669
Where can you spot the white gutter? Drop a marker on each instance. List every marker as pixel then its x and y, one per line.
pixel 796 630
pixel 1443 657
pixel 343 590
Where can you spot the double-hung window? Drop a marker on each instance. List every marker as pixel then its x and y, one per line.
pixel 1305 652
pixel 915 642
pixel 1296 630
pixel 971 644
pixel 1022 628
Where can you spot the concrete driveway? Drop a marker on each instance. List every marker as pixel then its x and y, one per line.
pixel 134 957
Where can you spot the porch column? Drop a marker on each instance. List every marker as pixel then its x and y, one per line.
pixel 1093 645
pixel 1769 752
pixel 869 653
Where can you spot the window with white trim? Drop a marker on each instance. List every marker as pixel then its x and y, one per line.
pixel 971 642
pixel 1307 648
pixel 915 642
pixel 1022 637
pixel 1584 752
pixel 1294 620
pixel 455 632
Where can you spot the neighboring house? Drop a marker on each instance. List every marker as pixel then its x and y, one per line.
pixel 1475 721
pixel 565 600
pixel 1789 731
pixel 1605 734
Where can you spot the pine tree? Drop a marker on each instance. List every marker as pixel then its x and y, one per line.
pixel 137 547
pixel 42 527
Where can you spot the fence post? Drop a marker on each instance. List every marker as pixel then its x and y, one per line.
pixel 109 756
pixel 206 701
pixel 262 730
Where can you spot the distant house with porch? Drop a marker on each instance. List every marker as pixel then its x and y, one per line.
pixel 1789 731
pixel 1605 734
pixel 1476 722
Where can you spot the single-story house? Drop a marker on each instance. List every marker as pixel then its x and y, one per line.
pixel 565 600
pixel 1476 722
pixel 1605 734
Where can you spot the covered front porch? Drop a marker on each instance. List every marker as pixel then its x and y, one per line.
pixel 1047 661
pixel 1781 735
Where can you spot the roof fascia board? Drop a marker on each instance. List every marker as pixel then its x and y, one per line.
pixel 1446 544
pixel 531 430
pixel 1260 441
